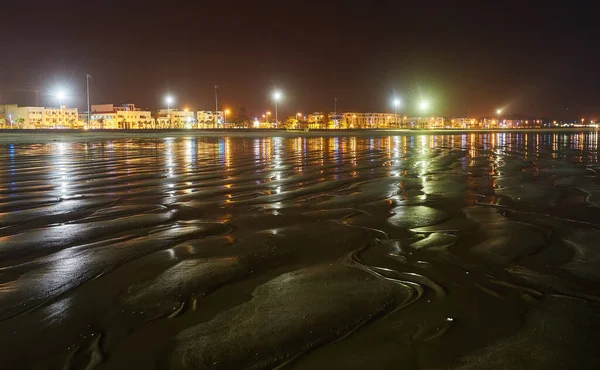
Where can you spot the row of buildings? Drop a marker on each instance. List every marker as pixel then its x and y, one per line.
pixel 128 116
pixel 106 116
pixel 356 120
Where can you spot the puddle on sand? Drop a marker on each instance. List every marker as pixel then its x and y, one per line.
pixel 420 252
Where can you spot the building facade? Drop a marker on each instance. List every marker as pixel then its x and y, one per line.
pixel 122 116
pixel 27 117
pixel 175 118
pixel 372 120
pixel 206 119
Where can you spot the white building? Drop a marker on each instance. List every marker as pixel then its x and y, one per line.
pixel 124 116
pixel 206 119
pixel 175 118
pixel 371 120
pixel 40 117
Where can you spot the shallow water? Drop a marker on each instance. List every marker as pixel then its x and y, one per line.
pixel 414 252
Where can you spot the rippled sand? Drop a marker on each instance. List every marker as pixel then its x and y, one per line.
pixel 470 251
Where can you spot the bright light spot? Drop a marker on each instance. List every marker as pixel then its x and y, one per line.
pixel 424 105
pixel 397 102
pixel 277 95
pixel 169 99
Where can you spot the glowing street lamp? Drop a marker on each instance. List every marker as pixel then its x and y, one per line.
pixel 60 95
pixel 225 113
pixel 397 102
pixel 277 97
pixel 498 111
pixel 169 100
pixel 423 107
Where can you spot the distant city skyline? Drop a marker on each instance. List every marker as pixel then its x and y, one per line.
pixel 468 60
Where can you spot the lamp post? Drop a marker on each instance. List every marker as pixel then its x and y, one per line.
pixel 498 112
pixel 87 80
pixel 225 113
pixel 423 107
pixel 216 107
pixel 60 95
pixel 335 117
pixel 276 96
pixel 397 103
pixel 169 100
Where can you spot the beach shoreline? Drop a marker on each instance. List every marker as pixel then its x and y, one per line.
pixel 70 135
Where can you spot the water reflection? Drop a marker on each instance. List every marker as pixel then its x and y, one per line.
pixel 67 164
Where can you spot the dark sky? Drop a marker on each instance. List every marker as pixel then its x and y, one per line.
pixel 466 57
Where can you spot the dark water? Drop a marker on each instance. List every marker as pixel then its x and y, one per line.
pixel 406 252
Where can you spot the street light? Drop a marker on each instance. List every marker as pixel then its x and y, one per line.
pixel 60 95
pixel 277 97
pixel 225 113
pixel 423 107
pixel 397 103
pixel 169 99
pixel 498 111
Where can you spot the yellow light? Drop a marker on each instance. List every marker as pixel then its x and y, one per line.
pixel 268 113
pixel 186 109
pixel 299 114
pixel 227 111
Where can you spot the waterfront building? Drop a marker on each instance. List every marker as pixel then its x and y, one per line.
pixel 316 120
pixel 425 122
pixel 372 120
pixel 336 121
pixel 206 119
pixel 175 118
pixel 28 117
pixel 119 116
pixel 460 122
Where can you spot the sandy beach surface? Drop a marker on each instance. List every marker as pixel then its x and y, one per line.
pixel 261 250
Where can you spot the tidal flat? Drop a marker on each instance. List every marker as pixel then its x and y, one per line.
pixel 390 251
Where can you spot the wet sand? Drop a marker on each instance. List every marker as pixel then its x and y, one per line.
pixel 378 250
pixel 45 136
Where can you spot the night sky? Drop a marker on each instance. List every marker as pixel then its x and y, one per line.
pixel 467 58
